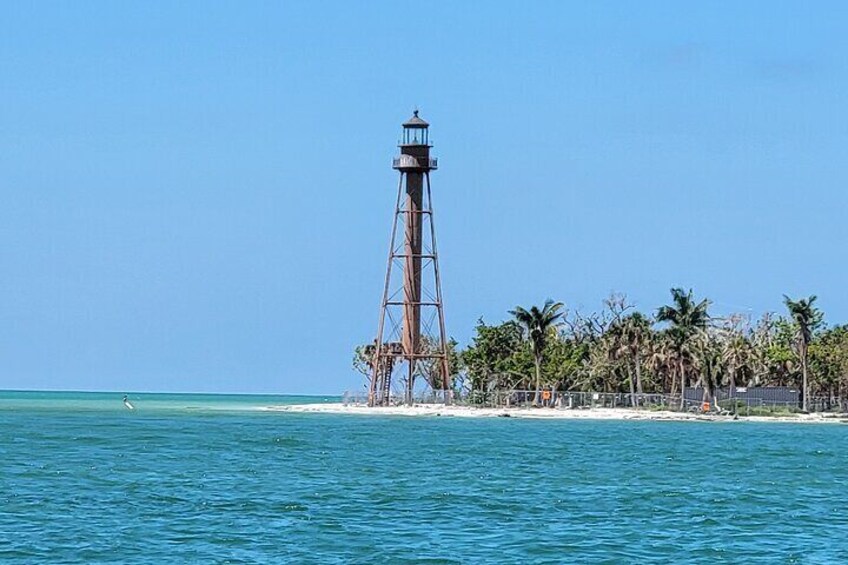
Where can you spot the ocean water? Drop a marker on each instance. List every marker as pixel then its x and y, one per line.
pixel 214 479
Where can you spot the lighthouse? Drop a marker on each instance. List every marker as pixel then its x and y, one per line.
pixel 411 343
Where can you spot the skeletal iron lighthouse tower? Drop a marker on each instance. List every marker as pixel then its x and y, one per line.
pixel 411 341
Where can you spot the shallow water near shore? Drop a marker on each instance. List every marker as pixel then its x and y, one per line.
pixel 208 478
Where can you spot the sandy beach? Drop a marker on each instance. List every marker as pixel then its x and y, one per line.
pixel 439 410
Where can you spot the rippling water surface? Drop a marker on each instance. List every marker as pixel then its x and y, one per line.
pixel 197 478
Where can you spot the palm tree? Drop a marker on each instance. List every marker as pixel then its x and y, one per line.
pixel 621 349
pixel 686 318
pixel 607 362
pixel 807 318
pixel 661 358
pixel 637 334
pixel 710 360
pixel 537 323
pixel 737 350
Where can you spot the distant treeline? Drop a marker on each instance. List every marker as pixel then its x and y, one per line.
pixel 620 349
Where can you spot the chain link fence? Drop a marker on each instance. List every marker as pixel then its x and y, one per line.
pixel 581 400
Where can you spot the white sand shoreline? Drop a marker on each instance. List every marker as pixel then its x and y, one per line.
pixel 440 410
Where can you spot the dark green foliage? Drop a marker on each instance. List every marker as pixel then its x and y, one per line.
pixel 807 319
pixel 686 319
pixel 684 316
pixel 619 350
pixel 537 324
pixel 495 357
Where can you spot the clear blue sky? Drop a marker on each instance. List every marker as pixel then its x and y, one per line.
pixel 197 196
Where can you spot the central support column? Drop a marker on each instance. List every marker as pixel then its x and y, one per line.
pixel 412 274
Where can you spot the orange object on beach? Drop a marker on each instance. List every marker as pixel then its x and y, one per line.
pixel 546 395
pixel 705 407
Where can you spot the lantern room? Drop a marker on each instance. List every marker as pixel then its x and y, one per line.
pixel 415 131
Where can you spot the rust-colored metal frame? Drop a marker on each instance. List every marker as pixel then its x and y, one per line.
pixel 386 355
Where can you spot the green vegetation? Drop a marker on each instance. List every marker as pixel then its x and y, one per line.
pixel 620 350
pixel 687 321
pixel 806 319
pixel 538 325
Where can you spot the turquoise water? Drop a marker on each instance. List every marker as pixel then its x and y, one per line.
pixel 204 478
